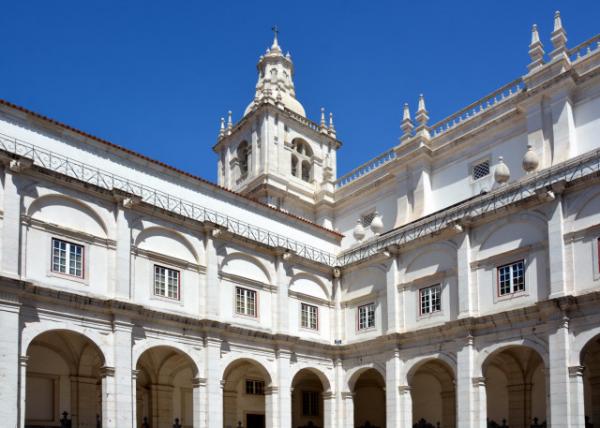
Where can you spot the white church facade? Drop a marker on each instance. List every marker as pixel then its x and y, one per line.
pixel 453 281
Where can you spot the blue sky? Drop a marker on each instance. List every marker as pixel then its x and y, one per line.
pixel 156 76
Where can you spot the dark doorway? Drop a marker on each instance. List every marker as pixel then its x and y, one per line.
pixel 255 421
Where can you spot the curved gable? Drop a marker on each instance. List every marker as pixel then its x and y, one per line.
pixel 164 241
pixel 309 286
pixel 244 266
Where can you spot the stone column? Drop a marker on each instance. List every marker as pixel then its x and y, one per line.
pixel 577 419
pixel 122 279
pixel 22 389
pixel 392 301
pixel 83 397
pixel 338 371
pixel 559 397
pixel 329 413
pixel 198 398
pixel 348 399
pixel 466 292
pixel 123 384
pixel 135 399
pixel 517 405
pixel 556 249
pixel 392 395
pixel 109 404
pixel 406 416
pixel 285 385
pixel 467 412
pixel 12 372
pixel 272 408
pixel 281 319
pixel 212 287
pixel 214 390
pixel 162 411
pixel 479 402
pixel 11 218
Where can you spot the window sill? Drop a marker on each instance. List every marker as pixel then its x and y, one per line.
pixel 73 278
pixel 428 316
pixel 511 296
pixel 171 300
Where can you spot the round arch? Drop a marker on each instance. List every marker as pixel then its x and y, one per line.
pixel 536 345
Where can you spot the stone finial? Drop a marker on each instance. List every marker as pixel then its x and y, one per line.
pixel 331 126
pixel 501 171
pixel 275 46
pixel 422 117
pixel 536 50
pixel 322 125
pixel 530 160
pixel 229 123
pixel 377 224
pixel 559 37
pixel 359 231
pixel 222 128
pixel 406 126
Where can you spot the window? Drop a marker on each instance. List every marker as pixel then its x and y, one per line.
pixel 255 387
pixel 245 301
pixel 310 403
pixel 242 155
pixel 511 278
pixel 166 282
pixel 67 258
pixel 481 169
pixel 367 219
pixel 302 160
pixel 309 316
pixel 366 316
pixel 431 299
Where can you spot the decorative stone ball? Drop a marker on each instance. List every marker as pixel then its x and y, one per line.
pixel 359 231
pixel 501 171
pixel 377 224
pixel 530 160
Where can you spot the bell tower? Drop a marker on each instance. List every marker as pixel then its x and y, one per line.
pixel 274 153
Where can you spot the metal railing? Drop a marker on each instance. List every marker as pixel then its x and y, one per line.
pixel 109 181
pixel 570 170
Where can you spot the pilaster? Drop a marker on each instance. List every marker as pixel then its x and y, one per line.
pixel 122 377
pixel 392 281
pixel 564 142
pixel 405 406
pixel 392 394
pixel 466 412
pixel 559 398
pixel 348 405
pixel 212 287
pixel 556 248
pixel 285 383
pixel 11 220
pixel 329 410
pixel 214 390
pixel 466 292
pixel 576 391
pixel 281 320
pixel 123 251
pixel 272 408
pixel 12 374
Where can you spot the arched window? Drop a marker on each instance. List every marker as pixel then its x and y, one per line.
pixel 302 160
pixel 242 155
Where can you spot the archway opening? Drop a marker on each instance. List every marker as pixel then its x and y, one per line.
pixel 63 382
pixel 590 359
pixel 307 400
pixel 369 400
pixel 433 395
pixel 515 383
pixel 164 388
pixel 245 383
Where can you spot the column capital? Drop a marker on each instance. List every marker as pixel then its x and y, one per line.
pixel 347 395
pixel 576 371
pixel 404 389
pixel 198 382
pixel 328 395
pixel 106 371
pixel 135 374
pixel 23 360
pixel 479 381
pixel 271 390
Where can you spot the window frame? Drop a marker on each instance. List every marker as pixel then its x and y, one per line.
pixel 235 302
pixel 438 287
pixel 512 291
pixel 255 391
pixel 477 163
pixel 67 272
pixel 313 408
pixel 316 315
pixel 358 324
pixel 167 270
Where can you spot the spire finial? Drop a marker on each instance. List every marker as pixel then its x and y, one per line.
pixel 422 117
pixel 331 127
pixel 406 126
pixel 275 46
pixel 229 122
pixel 222 128
pixel 536 50
pixel 322 124
pixel 559 37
